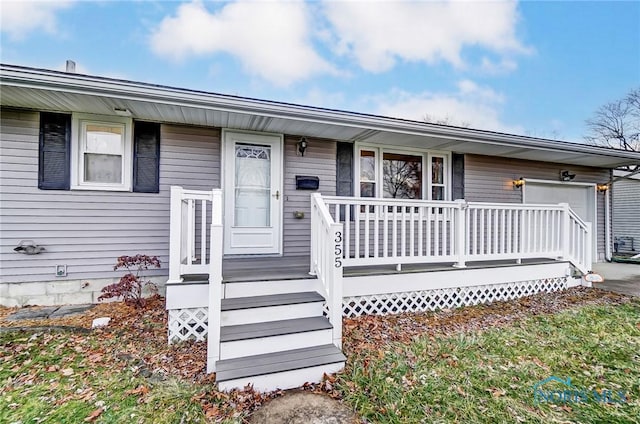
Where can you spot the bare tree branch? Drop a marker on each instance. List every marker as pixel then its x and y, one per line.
pixel 617 124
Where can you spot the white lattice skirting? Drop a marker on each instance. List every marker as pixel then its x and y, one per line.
pixel 429 300
pixel 191 324
pixel 188 324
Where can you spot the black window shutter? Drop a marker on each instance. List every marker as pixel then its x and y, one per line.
pixel 344 173
pixel 344 169
pixel 146 157
pixel 457 189
pixel 54 157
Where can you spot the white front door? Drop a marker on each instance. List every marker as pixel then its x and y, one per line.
pixel 252 193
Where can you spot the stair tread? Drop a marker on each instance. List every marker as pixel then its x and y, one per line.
pixel 236 303
pixel 268 363
pixel 273 328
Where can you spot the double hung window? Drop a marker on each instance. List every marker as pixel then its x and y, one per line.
pixel 398 174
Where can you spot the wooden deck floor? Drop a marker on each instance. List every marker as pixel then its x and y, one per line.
pixel 297 267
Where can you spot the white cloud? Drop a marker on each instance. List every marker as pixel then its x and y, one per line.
pixel 378 34
pixel 473 105
pixel 271 39
pixel 19 18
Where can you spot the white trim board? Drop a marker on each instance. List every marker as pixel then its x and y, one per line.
pixel 406 282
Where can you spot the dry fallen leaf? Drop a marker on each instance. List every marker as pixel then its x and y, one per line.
pixel 92 416
pixel 140 390
pixel 67 372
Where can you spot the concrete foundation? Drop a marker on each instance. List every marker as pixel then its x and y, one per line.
pixel 68 292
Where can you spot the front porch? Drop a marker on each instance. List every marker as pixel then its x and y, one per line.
pixel 277 321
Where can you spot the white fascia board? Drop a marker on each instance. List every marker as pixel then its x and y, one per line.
pixel 130 90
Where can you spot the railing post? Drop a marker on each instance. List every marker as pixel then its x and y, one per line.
pixel 175 234
pixel 588 246
pixel 336 282
pixel 315 197
pixel 566 231
pixel 461 232
pixel 215 280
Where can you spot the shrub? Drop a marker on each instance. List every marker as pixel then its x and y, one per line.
pixel 131 285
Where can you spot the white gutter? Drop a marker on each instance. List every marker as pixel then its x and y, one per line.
pixel 84 84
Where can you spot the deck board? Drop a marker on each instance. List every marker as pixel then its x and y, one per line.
pixel 297 267
pixel 268 363
pixel 241 269
pixel 273 328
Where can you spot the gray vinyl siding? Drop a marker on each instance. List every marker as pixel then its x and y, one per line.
pixel 626 207
pixel 87 230
pixel 489 179
pixel 319 160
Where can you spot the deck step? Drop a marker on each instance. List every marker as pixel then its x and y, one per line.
pixel 276 307
pixel 270 300
pixel 283 370
pixel 274 336
pixel 273 328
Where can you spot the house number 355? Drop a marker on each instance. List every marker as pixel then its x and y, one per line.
pixel 338 250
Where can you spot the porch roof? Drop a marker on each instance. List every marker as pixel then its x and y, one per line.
pixel 41 89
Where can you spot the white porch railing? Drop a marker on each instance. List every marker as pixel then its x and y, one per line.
pixel 195 223
pixel 578 245
pixel 398 231
pixel 327 240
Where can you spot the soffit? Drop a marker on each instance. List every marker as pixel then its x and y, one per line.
pixel 298 123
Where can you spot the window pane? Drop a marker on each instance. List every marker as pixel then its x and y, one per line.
pixel 367 189
pixel 252 186
pixel 102 168
pixel 367 166
pixel 437 193
pixel 104 139
pixel 402 176
pixel 437 170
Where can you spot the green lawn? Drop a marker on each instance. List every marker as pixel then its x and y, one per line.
pixel 461 375
pixel 64 378
pixel 489 376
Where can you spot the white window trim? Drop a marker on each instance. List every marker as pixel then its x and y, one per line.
pixel 77 159
pixel 426 167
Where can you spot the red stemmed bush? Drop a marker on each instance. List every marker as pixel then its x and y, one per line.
pixel 131 285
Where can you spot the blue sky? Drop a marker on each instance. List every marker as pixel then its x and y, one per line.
pixel 535 68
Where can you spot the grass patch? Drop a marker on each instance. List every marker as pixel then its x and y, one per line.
pixel 488 376
pixel 475 364
pixel 61 377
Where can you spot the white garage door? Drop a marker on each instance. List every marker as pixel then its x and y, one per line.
pixel 580 198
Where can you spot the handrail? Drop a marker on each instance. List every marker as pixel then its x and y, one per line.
pixel 195 218
pixel 579 238
pixel 405 231
pixel 326 261
pixel 215 281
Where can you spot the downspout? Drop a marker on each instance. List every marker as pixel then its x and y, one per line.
pixel 607 225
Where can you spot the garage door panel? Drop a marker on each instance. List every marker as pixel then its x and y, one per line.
pixel 579 198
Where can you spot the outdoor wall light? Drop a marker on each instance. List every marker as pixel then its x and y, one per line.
pixel 28 247
pixel 302 146
pixel 566 176
pixel 518 183
pixel 602 188
pixel 122 111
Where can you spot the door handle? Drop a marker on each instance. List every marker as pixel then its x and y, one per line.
pixel 277 195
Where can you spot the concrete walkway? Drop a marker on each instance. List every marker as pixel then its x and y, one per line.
pixel 619 277
pixel 47 312
pixel 304 408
